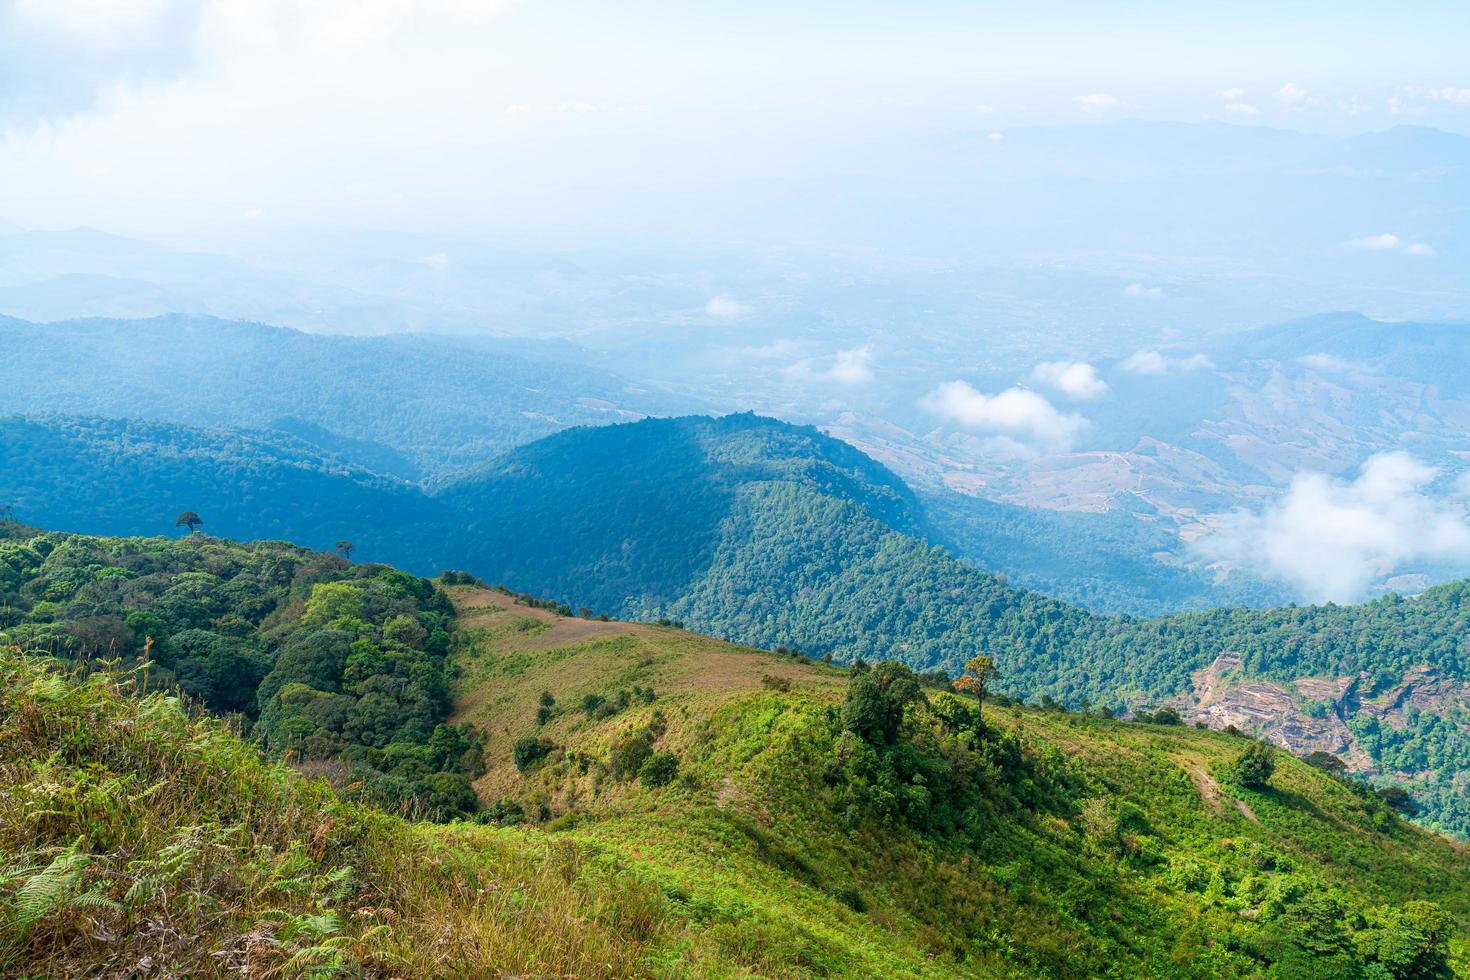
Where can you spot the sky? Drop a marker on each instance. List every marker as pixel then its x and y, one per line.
pixel 207 122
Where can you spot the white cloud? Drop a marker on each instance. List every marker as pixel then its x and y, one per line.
pixel 723 307
pixel 1146 362
pixel 1399 107
pixel 1152 362
pixel 1293 96
pixel 1446 95
pixel 1377 243
pixel 1137 290
pixel 1075 378
pixel 847 367
pixel 1235 104
pixel 1096 102
pixel 996 137
pixel 1388 242
pixel 851 366
pixel 60 56
pixel 1016 412
pixel 1331 539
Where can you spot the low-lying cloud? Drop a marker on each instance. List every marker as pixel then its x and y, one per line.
pixel 846 367
pixel 1332 539
pixel 1076 379
pixel 1155 363
pixel 1389 242
pixel 1018 413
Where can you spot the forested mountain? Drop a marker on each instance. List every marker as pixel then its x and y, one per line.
pixel 133 477
pixel 647 801
pixel 775 535
pixel 409 405
pixel 1117 561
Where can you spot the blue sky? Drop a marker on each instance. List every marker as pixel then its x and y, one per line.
pixel 196 120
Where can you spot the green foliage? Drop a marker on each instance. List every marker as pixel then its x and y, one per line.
pixel 659 769
pixel 1252 769
pixel 877 699
pixel 529 750
pixel 320 660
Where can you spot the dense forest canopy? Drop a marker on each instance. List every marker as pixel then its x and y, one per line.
pixel 342 666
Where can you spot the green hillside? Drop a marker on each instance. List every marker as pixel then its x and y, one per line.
pixel 774 535
pixel 126 477
pixel 651 802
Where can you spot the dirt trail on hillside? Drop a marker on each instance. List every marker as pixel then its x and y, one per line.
pixel 1209 790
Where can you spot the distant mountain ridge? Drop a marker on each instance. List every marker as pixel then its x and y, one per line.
pixel 426 405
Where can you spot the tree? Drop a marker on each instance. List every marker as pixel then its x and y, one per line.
pixel 979 672
pixel 345 548
pixel 1326 761
pixel 1253 767
pixel 876 700
pixel 190 520
pixel 529 749
pixel 1399 800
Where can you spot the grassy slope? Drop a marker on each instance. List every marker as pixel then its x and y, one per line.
pixel 747 847
pixel 136 840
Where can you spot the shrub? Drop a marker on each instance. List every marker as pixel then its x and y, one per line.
pixel 529 749
pixel 659 769
pixel 629 754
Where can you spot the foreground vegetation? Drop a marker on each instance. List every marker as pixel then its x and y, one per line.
pixel 647 802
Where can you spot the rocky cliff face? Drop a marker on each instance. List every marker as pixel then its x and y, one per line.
pixel 1311 714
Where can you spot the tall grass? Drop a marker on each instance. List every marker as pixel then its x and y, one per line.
pixel 138 839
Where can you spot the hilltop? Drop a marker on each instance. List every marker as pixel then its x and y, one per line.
pixel 670 805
